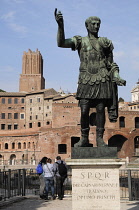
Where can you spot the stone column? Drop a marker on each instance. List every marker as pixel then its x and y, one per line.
pixel 95 184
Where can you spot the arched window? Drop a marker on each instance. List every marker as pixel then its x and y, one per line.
pixel 13 145
pixel 33 145
pixel 136 122
pixel 28 145
pixel 136 142
pixel 122 122
pixel 6 145
pixel 19 145
pixel 117 141
pixel 12 159
pixel 24 145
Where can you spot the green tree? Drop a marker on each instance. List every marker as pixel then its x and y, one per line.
pixel 121 99
pixel 2 90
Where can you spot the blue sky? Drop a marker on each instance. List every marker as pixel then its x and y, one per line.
pixel 30 24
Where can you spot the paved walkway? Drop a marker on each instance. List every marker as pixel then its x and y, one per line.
pixel 35 203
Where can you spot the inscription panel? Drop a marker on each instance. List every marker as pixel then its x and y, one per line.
pixel 96 189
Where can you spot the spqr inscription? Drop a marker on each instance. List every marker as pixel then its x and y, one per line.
pixel 95 175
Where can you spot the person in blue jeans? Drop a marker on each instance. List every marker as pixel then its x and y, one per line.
pixel 59 178
pixel 48 170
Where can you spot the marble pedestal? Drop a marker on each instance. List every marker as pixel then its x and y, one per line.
pixel 95 184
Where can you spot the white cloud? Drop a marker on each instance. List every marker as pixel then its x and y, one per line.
pixel 18 28
pixel 10 19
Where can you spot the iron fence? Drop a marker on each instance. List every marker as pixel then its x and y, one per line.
pixel 12 183
pixel 33 184
pixel 123 178
pixel 129 184
pixel 23 182
pixel 134 185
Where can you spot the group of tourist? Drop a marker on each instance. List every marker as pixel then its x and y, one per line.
pixel 52 177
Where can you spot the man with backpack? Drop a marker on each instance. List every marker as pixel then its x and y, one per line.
pixel 60 169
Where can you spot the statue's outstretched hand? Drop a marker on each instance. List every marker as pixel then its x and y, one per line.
pixel 58 17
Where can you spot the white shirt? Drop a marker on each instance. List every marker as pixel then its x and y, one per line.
pixel 48 170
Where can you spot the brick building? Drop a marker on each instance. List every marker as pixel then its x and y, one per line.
pixel 32 78
pixel 38 122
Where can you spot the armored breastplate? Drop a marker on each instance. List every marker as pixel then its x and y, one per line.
pixel 93 62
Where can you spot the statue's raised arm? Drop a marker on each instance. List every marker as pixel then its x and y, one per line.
pixel 61 41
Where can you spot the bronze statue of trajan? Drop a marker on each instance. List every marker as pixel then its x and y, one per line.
pixel 98 76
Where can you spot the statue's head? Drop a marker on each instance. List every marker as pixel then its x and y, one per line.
pixel 93 24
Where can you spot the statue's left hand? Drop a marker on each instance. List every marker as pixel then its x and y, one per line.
pixel 119 81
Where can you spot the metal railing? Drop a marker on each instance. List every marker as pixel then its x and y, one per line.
pixel 32 183
pixel 12 183
pixel 129 184
pixel 23 182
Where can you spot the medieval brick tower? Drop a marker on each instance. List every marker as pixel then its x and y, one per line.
pixel 32 78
